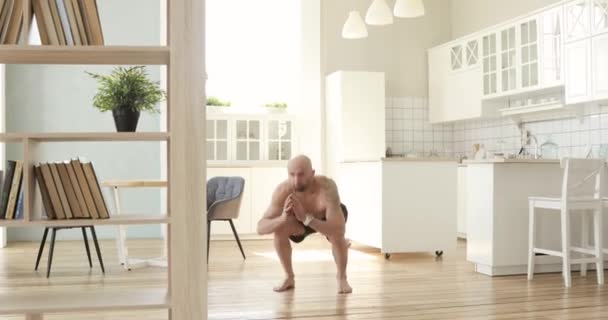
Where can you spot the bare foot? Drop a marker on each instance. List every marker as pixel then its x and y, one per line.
pixel 344 287
pixel 288 284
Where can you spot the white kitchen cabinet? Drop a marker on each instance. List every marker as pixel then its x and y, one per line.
pixel 489 59
pixel 528 45
pixel 551 47
pixel 577 73
pixel 400 205
pixel 508 66
pixel 599 67
pixel 599 16
pixel 455 95
pixel 577 20
pixel 461 199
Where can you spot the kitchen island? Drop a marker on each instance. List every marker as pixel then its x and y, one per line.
pixel 497 212
pixel 400 204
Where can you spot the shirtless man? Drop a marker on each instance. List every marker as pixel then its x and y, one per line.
pixel 301 205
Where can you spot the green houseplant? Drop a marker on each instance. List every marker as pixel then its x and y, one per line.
pixel 213 101
pixel 127 92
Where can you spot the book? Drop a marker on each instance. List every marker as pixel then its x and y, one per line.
pixel 14 192
pixel 6 186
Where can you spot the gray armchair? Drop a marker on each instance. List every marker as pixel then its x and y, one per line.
pixel 224 195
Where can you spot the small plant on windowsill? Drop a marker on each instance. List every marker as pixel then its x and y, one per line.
pixel 127 92
pixel 276 106
pixel 216 102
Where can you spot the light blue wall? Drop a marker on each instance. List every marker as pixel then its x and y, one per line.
pixel 58 98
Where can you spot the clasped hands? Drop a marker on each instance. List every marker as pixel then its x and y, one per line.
pixel 294 207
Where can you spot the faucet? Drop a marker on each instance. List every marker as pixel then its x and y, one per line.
pixel 533 137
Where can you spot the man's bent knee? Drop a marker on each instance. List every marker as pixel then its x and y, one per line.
pixel 292 227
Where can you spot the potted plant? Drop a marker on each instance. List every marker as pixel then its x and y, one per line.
pixel 127 92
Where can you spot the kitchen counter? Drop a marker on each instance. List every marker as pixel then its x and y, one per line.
pixel 420 159
pixel 503 160
pixel 497 214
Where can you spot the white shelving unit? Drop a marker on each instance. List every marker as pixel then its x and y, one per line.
pixel 186 294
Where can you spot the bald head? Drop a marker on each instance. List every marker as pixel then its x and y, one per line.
pixel 301 174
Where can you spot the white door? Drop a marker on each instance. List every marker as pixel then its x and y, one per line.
pixel 600 67
pixel 578 80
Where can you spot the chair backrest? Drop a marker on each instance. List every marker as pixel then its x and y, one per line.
pixel 224 195
pixel 582 178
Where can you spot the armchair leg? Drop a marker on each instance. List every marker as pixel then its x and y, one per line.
pixel 86 245
pixel 41 249
pixel 103 270
pixel 238 241
pixel 208 238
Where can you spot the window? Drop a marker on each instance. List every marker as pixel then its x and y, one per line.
pixel 256 60
pixel 249 138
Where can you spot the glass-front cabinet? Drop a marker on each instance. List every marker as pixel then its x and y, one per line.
pixel 578 19
pixel 599 11
pixel 551 47
pixel 490 77
pixel 508 66
pixel 243 137
pixel 529 53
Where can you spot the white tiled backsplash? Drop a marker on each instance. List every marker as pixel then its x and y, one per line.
pixel 408 130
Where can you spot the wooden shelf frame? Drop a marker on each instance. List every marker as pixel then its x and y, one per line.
pixel 93 55
pixel 72 300
pixel 84 136
pixel 125 219
pixel 183 24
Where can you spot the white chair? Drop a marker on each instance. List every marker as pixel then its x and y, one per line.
pixel 581 192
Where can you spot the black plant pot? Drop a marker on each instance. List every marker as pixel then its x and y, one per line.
pixel 125 119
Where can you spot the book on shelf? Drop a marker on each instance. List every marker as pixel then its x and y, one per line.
pixel 54 22
pixel 70 190
pixel 11 197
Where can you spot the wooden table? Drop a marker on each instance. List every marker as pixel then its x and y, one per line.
pixel 121 238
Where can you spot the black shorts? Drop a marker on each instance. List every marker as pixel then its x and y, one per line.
pixel 309 230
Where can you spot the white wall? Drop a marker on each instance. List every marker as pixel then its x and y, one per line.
pixel 469 16
pixel 399 49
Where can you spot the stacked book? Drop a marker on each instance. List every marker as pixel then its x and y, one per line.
pixel 11 196
pixel 70 190
pixel 11 20
pixel 67 22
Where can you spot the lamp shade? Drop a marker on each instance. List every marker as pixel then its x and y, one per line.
pixel 379 14
pixel 409 8
pixel 354 27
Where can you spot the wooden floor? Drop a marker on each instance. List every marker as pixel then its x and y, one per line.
pixel 409 286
